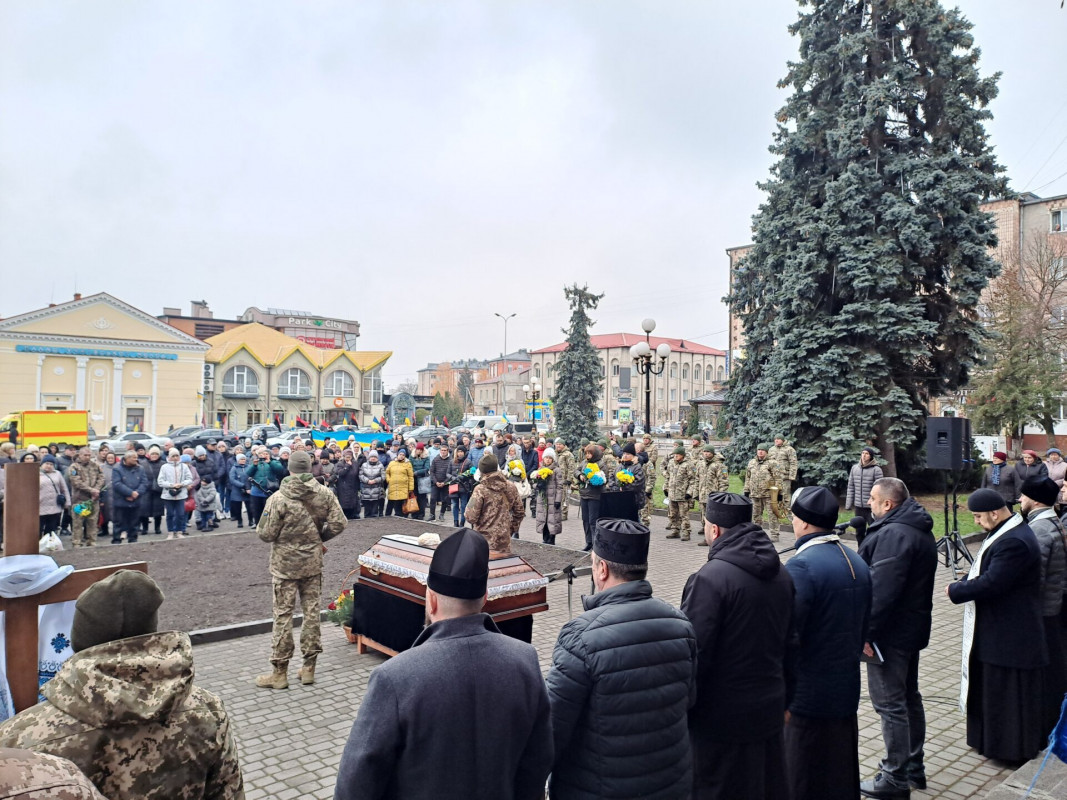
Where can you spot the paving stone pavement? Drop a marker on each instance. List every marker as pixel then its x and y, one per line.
pixel 291 741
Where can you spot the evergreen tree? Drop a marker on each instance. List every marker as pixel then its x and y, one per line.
pixel 465 385
pixel 578 373
pixel 859 296
pixel 447 407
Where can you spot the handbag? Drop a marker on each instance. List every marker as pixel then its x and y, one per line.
pixel 190 504
pixel 423 484
pixel 411 506
pixel 453 488
pixel 61 499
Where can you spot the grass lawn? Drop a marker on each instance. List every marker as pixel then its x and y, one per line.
pixel 934 503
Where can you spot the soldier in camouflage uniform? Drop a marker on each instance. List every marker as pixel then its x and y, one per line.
pixel 86 485
pixel 711 477
pixel 786 458
pixel 565 459
pixel 38 776
pixel 760 475
pixel 651 475
pixel 297 519
pixel 124 708
pixel 696 450
pixel 679 488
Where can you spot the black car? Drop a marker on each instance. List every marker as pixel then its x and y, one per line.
pixel 428 433
pixel 200 438
pixel 261 432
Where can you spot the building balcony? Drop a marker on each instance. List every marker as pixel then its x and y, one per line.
pixel 243 394
pixel 285 394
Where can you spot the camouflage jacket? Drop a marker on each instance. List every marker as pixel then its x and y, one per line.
pixel 297 519
pixel 681 480
pixel 760 476
pixel 38 776
pixel 609 465
pixel 712 477
pixel 495 511
pixel 651 467
pixel 128 715
pixel 786 459
pixel 83 479
pixel 565 459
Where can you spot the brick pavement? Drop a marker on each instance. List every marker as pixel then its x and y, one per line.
pixel 291 741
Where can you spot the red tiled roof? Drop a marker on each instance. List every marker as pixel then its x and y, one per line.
pixel 604 341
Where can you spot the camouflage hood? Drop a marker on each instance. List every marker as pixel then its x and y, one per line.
pixel 299 487
pixel 129 680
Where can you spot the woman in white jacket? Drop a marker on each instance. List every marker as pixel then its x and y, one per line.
pixel 175 478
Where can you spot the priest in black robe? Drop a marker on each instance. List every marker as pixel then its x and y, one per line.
pixel 1004 652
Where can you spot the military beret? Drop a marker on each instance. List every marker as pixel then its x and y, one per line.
pixel 985 500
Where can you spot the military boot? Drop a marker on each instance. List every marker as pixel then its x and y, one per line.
pixel 673 535
pixel 278 679
pixel 307 673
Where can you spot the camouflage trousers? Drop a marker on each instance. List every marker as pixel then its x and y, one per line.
pixel 83 530
pixel 786 495
pixel 565 503
pixel 281 643
pixel 678 517
pixel 761 506
pixel 645 512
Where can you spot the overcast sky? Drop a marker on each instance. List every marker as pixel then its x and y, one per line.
pixel 420 165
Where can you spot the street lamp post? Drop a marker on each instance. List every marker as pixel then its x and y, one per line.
pixel 509 316
pixel 643 356
pixel 532 393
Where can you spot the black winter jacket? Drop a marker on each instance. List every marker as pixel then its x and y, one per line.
pixel 1009 485
pixel 206 469
pixel 345 480
pixel 901 552
pixel 833 602
pixel 530 460
pixel 741 607
pixel 623 676
pixel 442 470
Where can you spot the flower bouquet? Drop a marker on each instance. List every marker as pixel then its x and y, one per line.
pixel 540 479
pixel 593 475
pixel 339 611
pixel 624 476
pixel 517 469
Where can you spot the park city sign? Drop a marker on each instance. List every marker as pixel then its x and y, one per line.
pixel 318 323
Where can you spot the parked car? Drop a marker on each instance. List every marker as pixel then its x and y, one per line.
pixel 200 438
pixel 286 439
pixel 184 432
pixel 263 431
pixel 427 433
pixel 639 431
pixel 118 443
pixel 659 430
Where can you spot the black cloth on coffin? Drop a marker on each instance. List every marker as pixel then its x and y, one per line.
pixel 618 505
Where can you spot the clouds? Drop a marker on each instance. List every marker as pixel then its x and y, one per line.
pixel 414 165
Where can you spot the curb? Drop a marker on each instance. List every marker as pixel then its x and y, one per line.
pixel 224 633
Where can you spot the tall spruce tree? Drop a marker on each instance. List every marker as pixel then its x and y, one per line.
pixel 859 296
pixel 577 372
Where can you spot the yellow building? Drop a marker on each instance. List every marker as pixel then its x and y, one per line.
pixel 254 374
pixel 128 369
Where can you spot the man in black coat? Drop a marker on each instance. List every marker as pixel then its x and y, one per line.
pixel 463 714
pixel 830 613
pixel 741 607
pixel 1004 652
pixel 900 550
pixel 442 470
pixel 623 677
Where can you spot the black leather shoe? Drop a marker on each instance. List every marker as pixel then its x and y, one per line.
pixel 879 787
pixel 917 781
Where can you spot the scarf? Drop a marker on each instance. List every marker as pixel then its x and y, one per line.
pixel 996 474
pixel 969 609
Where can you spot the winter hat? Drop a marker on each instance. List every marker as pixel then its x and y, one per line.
pixel 1052 450
pixel 1031 453
pixel 763 446
pixel 48 459
pixel 727 509
pixel 816 506
pixel 173 452
pixel 709 449
pixel 871 450
pixel 299 462
pixel 985 500
pixel 420 446
pixel 460 566
pixel 372 454
pixel 124 604
pixel 200 451
pixel 678 451
pixel 488 465
pixel 1043 490
pixel 285 451
pixel 241 457
pixel 549 453
pixel 1001 455
pixel 559 441
pixel 629 448
pixel 403 451
pixel 186 458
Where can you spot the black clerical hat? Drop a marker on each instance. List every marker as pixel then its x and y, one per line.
pixel 622 541
pixel 816 506
pixel 985 500
pixel 460 566
pixel 1043 490
pixel 727 509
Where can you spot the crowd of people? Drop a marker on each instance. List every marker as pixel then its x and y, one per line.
pixel 750 689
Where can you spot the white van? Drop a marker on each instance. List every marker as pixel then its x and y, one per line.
pixel 481 424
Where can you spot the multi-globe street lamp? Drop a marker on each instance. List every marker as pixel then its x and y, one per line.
pixel 643 357
pixel 533 394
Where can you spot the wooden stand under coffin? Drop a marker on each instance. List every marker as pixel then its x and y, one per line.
pixel 397 566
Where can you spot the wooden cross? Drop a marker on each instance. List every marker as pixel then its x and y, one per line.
pixel 21 530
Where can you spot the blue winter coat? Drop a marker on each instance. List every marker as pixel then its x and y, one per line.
pixel 831 610
pixel 239 481
pixel 124 482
